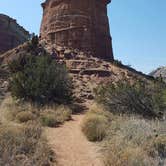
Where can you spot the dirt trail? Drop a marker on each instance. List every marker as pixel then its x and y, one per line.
pixel 71 146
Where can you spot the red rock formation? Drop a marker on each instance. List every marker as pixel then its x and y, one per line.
pixel 11 34
pixel 81 24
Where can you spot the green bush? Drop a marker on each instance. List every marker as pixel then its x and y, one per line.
pixel 147 100
pixel 35 41
pixel 25 116
pixel 117 63
pixel 40 79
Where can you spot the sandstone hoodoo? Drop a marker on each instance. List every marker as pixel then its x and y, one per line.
pixel 11 34
pixel 77 24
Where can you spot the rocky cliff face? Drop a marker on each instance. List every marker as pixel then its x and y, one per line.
pixel 160 72
pixel 11 34
pixel 78 24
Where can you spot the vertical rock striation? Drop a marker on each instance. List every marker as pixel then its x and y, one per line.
pixel 77 24
pixel 11 34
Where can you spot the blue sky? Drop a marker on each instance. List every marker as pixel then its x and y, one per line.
pixel 138 28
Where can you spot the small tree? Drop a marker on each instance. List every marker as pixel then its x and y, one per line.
pixel 40 79
pixel 146 100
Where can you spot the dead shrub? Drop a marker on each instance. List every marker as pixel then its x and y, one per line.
pixel 12 110
pixel 53 116
pixel 25 116
pixel 49 119
pixel 24 145
pixel 95 125
pixel 133 141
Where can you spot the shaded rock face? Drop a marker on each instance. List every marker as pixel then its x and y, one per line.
pixel 77 24
pixel 11 34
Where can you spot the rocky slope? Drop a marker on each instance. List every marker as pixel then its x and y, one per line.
pixel 86 71
pixel 160 72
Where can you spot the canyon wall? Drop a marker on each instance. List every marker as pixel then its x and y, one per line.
pixel 11 34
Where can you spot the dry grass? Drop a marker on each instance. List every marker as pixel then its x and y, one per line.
pixel 11 110
pixel 135 142
pixel 95 124
pixel 94 127
pixel 25 116
pixel 55 115
pixel 51 115
pixel 128 140
pixel 21 139
pixel 24 146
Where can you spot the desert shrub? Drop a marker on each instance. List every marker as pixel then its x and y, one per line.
pixel 8 109
pixel 25 116
pixel 49 119
pixel 117 63
pixel 49 115
pixel 15 110
pixel 134 141
pixel 40 79
pixel 18 64
pixel 157 147
pixel 136 131
pixel 24 146
pixel 147 100
pixel 95 125
pixel 129 156
pixel 63 113
pixel 99 110
pixel 34 41
pixel 52 117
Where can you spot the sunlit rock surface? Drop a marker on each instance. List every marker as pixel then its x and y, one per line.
pixel 77 24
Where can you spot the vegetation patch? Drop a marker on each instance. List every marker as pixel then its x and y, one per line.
pixel 54 116
pixel 133 141
pixel 40 79
pixel 95 125
pixel 25 116
pixel 24 146
pixel 21 112
pixel 126 140
pixel 148 100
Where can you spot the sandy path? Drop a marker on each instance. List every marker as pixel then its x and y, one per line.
pixel 71 146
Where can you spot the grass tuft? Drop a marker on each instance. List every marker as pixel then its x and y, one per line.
pixel 95 124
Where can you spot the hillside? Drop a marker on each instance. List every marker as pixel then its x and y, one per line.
pixel 86 71
pixel 161 71
pixel 68 144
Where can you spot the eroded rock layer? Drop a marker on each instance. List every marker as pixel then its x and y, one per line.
pixel 11 34
pixel 78 24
